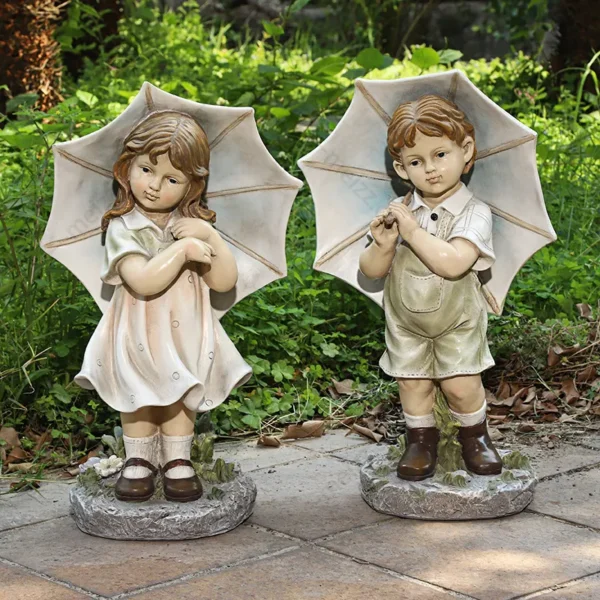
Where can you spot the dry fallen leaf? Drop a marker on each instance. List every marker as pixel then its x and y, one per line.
pixel 556 352
pixel 20 467
pixel 10 436
pixel 569 389
pixel 587 374
pixel 366 432
pixel 525 428
pixel 510 400
pixel 495 434
pixel 549 396
pixel 377 410
pixel 503 391
pixel 585 311
pixel 344 387
pixel 16 455
pixel 307 429
pixel 268 440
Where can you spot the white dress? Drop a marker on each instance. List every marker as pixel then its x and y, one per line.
pixel 154 350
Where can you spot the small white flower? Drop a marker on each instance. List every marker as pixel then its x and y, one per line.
pixel 108 466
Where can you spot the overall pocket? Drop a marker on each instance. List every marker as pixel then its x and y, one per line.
pixel 421 294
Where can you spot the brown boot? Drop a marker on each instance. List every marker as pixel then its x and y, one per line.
pixel 186 489
pixel 420 456
pixel 478 451
pixel 139 489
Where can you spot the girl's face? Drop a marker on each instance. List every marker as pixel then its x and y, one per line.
pixel 434 164
pixel 157 187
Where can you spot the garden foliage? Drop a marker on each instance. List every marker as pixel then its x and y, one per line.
pixel 300 332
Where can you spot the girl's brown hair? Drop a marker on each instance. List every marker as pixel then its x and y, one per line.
pixel 180 137
pixel 433 116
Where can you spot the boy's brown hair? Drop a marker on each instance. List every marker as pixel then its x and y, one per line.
pixel 182 139
pixel 433 116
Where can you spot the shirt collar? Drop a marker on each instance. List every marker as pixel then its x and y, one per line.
pixel 454 204
pixel 135 220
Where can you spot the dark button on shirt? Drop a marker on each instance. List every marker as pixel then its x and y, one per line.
pixel 434 217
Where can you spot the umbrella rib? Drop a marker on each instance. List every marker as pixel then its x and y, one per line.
pixel 508 217
pixel 251 253
pixel 359 172
pixel 453 88
pixel 503 147
pixel 149 99
pixel 85 164
pixel 342 246
pixel 75 238
pixel 229 128
pixel 246 190
pixel 491 300
pixel 374 104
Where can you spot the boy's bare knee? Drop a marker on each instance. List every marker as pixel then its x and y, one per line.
pixel 423 387
pixel 463 389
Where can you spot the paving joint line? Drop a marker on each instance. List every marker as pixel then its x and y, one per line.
pixel 397 574
pixel 315 541
pixel 329 452
pixel 582 469
pixel 563 520
pixel 284 464
pixel 556 587
pixel 34 523
pixel 202 572
pixel 56 580
pixel 315 544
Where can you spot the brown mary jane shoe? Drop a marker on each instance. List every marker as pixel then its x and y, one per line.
pixel 419 458
pixel 478 451
pixel 136 490
pixel 187 489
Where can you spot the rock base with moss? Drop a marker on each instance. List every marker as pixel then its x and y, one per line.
pixel 450 495
pixel 228 500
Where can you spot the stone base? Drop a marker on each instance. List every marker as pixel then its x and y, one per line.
pixel 222 508
pixel 466 497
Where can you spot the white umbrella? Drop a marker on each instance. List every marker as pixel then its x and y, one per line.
pixel 351 179
pixel 251 194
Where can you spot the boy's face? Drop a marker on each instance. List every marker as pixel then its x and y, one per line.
pixel 434 164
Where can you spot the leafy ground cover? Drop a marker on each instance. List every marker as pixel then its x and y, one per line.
pixel 312 341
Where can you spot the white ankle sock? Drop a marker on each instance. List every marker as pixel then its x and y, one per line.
pixel 177 446
pixel 146 448
pixel 414 422
pixel 470 419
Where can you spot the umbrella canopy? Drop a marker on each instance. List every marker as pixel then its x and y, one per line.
pixel 351 179
pixel 251 194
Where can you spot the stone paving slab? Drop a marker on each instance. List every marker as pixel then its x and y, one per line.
pixel 574 497
pixel 334 439
pixel 359 454
pixel 50 501
pixel 251 457
pixel 490 560
pixel 300 575
pixel 57 548
pixel 311 498
pixel 17 584
pixel 586 589
pixel 551 461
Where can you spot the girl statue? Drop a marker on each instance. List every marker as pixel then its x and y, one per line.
pixel 159 355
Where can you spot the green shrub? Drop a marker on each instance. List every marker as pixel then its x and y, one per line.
pixel 298 333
